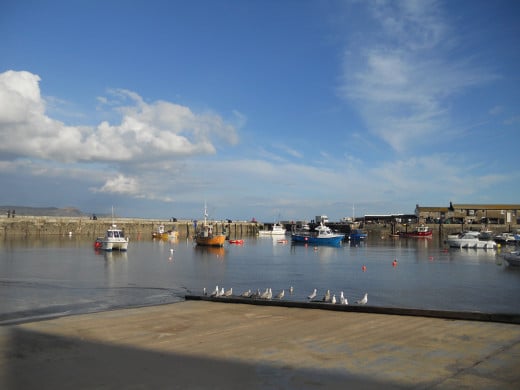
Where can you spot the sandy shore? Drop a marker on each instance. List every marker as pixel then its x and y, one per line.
pixel 209 345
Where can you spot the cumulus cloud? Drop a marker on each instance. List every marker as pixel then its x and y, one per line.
pixel 147 131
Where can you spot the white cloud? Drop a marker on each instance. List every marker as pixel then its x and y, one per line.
pixel 147 131
pixel 401 76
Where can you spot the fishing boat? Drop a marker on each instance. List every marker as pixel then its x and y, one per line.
pixel 418 232
pixel 160 233
pixel 114 239
pixel 277 230
pixel 206 235
pixel 323 236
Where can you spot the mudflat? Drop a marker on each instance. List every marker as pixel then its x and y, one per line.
pixel 212 345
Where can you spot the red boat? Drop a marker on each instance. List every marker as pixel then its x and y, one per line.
pixel 238 242
pixel 98 244
pixel 418 232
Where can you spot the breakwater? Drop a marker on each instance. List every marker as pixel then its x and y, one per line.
pixel 133 227
pixel 36 226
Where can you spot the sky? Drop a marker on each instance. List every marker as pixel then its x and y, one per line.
pixel 274 110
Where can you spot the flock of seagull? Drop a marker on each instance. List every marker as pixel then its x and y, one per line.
pixel 268 294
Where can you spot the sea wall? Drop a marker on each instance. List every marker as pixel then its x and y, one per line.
pixel 36 226
pixel 133 227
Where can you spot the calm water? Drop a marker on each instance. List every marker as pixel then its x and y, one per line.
pixel 48 276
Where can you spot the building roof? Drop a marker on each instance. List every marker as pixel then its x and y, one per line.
pixel 487 206
pixel 432 209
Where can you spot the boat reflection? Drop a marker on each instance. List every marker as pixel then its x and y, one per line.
pixel 115 256
pixel 209 251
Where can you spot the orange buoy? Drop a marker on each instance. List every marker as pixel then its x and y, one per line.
pixel 364 268
pixel 394 263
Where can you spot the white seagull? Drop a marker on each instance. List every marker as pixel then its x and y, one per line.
pixel 215 292
pixel 246 294
pixel 313 295
pixel 265 294
pixel 333 299
pixel 229 292
pixel 326 298
pixel 280 294
pixel 222 292
pixel 291 290
pixel 364 300
pixel 270 294
pixel 342 299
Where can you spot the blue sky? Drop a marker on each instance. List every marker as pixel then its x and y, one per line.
pixel 265 109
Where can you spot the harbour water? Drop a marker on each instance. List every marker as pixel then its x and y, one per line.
pixel 50 276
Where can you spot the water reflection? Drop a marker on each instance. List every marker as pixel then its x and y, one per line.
pixel 209 251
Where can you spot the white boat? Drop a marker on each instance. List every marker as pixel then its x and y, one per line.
pixel 277 230
pixel 505 238
pixel 114 239
pixel 470 240
pixel 512 258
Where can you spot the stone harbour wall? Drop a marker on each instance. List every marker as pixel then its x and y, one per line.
pixel 133 227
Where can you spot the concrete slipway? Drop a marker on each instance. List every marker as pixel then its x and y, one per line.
pixel 214 345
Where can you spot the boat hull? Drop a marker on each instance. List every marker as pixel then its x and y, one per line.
pixel 216 240
pixel 115 245
pixel 471 244
pixel 307 239
pixel 160 236
pixel 513 259
pixel 428 234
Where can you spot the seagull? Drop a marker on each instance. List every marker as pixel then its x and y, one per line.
pixel 256 294
pixel 291 290
pixel 334 299
pixel 342 299
pixel 269 294
pixel 204 292
pixel 215 292
pixel 280 294
pixel 364 300
pixel 313 295
pixel 264 294
pixel 222 292
pixel 246 294
pixel 326 298
pixel 229 292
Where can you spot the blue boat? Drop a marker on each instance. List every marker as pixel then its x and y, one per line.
pixel 323 236
pixel 357 234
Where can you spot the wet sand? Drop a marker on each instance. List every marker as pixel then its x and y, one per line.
pixel 211 345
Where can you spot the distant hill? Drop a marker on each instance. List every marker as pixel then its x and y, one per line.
pixel 43 211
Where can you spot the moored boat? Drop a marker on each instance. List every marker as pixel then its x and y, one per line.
pixel 277 230
pixel 114 239
pixel 160 233
pixel 206 235
pixel 505 238
pixel 421 231
pixel 323 236
pixel 357 234
pixel 470 240
pixel 512 258
pixel 98 244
